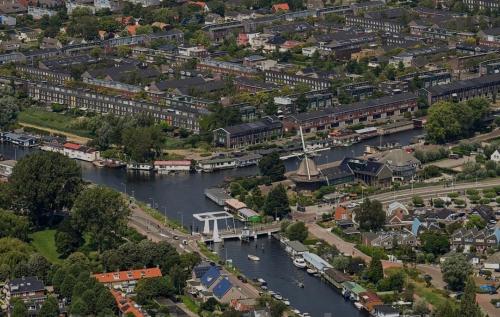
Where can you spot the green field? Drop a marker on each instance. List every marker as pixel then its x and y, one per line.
pixel 51 120
pixel 44 243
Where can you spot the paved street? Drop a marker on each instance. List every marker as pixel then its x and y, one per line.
pixel 432 191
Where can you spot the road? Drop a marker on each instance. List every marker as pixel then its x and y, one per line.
pixel 432 191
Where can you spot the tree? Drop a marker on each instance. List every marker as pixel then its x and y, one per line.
pixel 123 51
pixel 370 215
pixel 438 203
pixel 475 221
pixel 104 300
pixel 43 183
pixel 18 308
pixel 271 165
pixel 142 143
pixel 277 204
pixel 455 270
pixel 14 226
pixel 9 110
pixel 417 201
pixel 421 307
pixel 102 213
pixel 50 308
pixel 468 304
pixel 340 262
pixel 445 310
pixel 375 271
pixel 427 279
pixel 435 242
pixel 448 121
pixel 39 266
pixel 297 231
pixel 150 288
pixel 78 307
pixel 277 308
pixel 67 238
pixel 302 103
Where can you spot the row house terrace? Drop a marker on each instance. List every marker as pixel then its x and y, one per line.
pixel 479 239
pixel 365 111
pixel 57 77
pixel 277 77
pixel 225 68
pixel 181 116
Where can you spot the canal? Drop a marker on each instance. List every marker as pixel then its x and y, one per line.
pixel 180 196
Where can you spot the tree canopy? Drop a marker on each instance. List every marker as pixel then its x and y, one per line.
pixel 43 183
pixel 448 121
pixel 370 215
pixel 455 270
pixel 277 204
pixel 297 231
pixel 102 213
pixel 271 165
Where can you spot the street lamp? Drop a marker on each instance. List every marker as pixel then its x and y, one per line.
pixel 182 218
pixel 125 185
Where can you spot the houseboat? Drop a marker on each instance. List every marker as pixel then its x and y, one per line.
pixel 167 167
pixel 212 165
pixel 19 139
pixel 73 150
pixel 139 167
pixel 247 160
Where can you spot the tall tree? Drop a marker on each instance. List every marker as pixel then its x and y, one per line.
pixel 375 271
pixel 18 308
pixel 277 204
pixel 297 231
pixel 43 183
pixel 455 270
pixel 370 215
pixel 468 304
pixel 50 308
pixel 271 166
pixel 9 110
pixel 102 213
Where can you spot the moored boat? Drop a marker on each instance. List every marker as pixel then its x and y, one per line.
pixel 253 257
pixel 299 262
pixel 312 271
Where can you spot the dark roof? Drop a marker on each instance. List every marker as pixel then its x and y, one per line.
pixel 25 285
pixel 179 83
pixel 222 288
pixel 485 212
pixel 337 172
pixel 366 104
pixel 210 276
pixel 337 276
pixel 363 166
pixel 463 84
pixel 493 31
pixel 264 124
pixel 201 269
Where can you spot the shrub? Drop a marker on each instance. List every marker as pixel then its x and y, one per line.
pixel 453 195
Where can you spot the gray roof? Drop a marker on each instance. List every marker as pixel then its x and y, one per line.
pixel 26 285
pixel 463 84
pixel 366 104
pixel 297 246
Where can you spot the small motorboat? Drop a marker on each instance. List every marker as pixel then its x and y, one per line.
pixel 272 293
pixel 299 262
pixel 296 311
pixel 286 302
pixel 261 281
pixel 278 296
pixel 358 305
pixel 253 257
pixel 264 287
pixel 311 271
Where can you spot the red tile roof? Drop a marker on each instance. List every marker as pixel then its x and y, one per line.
pixel 122 276
pixel 126 305
pixel 280 7
pixel 72 146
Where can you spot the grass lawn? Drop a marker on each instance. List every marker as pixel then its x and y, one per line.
pixel 431 295
pixel 44 243
pixel 190 303
pixel 51 120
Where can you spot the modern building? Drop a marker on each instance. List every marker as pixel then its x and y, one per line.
pixel 283 78
pixel 491 5
pixel 38 12
pixel 485 86
pixel 245 134
pixel 361 112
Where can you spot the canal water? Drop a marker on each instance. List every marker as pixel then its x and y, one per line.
pixel 180 196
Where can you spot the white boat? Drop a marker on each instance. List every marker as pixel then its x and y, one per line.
pixel 299 262
pixel 253 257
pixel 286 302
pixel 311 271
pixel 264 287
pixel 296 311
pixel 261 281
pixel 278 296
pixel 358 305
